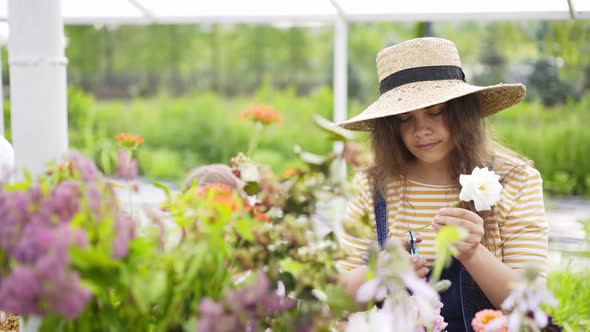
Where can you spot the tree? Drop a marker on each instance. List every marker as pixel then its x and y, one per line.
pixel 493 62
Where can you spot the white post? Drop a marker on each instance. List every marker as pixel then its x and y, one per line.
pixel 340 69
pixel 37 82
pixel 340 80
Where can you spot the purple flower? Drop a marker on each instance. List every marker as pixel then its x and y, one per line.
pixel 245 309
pixel 251 294
pixel 86 167
pixel 210 308
pixel 62 291
pixel 15 213
pixel 94 200
pixel 125 232
pixel 126 166
pixel 63 200
pixel 20 292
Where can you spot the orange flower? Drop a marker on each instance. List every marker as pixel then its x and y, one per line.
pixel 482 318
pixel 261 113
pixel 257 212
pixel 220 195
pixel 128 140
pixel 292 172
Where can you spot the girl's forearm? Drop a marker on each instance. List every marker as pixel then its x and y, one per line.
pixel 492 275
pixel 353 279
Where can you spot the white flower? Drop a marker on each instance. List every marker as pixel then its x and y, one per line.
pixel 249 172
pixel 376 320
pixel 6 160
pixel 372 289
pixel 527 297
pixel 482 187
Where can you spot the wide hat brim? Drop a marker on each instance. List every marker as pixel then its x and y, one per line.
pixel 418 95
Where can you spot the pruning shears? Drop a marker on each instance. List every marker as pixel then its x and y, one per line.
pixel 412 245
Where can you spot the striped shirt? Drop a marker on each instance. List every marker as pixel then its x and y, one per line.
pixel 517 227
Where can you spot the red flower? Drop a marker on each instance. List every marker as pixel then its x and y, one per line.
pixel 261 113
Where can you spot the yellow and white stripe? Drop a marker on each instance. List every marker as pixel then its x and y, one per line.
pixel 518 227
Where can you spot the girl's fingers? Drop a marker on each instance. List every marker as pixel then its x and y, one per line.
pixel 461 214
pixel 418 237
pixel 422 272
pixel 440 221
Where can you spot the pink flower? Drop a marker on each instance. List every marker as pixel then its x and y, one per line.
pixel 489 321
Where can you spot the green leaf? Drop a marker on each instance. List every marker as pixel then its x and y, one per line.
pixel 311 158
pixel 163 187
pixel 335 133
pixel 244 228
pixel 90 258
pixel 251 188
pixel 291 266
pixel 288 280
pixel 339 300
pixel 444 248
pixel 157 285
pixel 50 323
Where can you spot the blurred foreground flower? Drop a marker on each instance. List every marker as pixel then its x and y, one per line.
pixel 489 321
pixel 394 280
pixel 45 226
pixel 523 305
pixel 245 309
pixel 221 195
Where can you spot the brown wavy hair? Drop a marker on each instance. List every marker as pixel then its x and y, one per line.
pixel 473 147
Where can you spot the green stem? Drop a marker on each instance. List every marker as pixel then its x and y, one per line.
pixel 418 228
pixel 254 139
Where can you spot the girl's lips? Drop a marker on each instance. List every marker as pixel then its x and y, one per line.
pixel 426 147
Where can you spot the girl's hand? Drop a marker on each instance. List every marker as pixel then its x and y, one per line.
pixel 419 263
pixel 467 220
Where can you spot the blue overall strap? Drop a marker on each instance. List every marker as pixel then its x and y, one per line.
pixel 380 216
pixel 473 299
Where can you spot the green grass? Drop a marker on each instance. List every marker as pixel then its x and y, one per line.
pixel 572 290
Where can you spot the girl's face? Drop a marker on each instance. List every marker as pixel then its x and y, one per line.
pixel 426 134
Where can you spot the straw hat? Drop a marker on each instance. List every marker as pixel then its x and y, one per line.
pixel 423 72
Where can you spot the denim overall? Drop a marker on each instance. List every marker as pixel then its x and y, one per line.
pixel 462 300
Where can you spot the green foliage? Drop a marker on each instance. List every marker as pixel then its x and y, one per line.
pixel 182 133
pixel 560 183
pixel 493 61
pixel 572 290
pixel 161 163
pixel 546 85
pixel 554 138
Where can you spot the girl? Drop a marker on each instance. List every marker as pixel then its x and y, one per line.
pixel 427 129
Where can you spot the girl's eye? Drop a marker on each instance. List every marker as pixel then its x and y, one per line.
pixel 439 112
pixel 404 119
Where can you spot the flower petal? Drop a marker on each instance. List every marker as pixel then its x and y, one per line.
pixel 367 291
